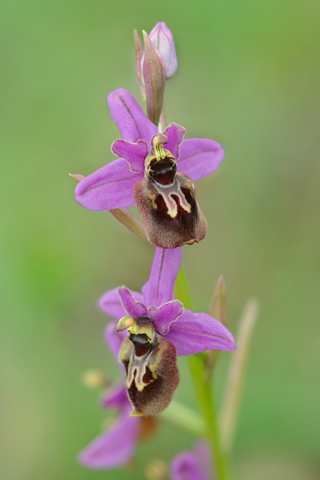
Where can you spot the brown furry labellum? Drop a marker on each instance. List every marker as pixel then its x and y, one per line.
pixel 151 366
pixel 167 201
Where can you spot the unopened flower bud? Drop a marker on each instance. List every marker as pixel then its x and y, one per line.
pixel 218 304
pixel 154 75
pixel 157 470
pixel 161 36
pixel 218 311
pixel 95 379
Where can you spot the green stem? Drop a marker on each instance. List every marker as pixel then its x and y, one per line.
pixel 204 393
pixel 207 408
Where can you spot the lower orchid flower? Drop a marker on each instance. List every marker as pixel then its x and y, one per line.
pixel 159 181
pixel 116 446
pixel 159 329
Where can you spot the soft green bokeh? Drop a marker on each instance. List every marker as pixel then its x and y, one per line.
pixel 249 76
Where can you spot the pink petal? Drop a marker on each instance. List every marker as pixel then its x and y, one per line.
pixel 129 117
pixel 116 396
pixel 196 332
pixel 199 157
pixel 109 187
pixel 134 153
pixel 159 288
pixel 130 304
pixel 175 135
pixel 111 303
pixel 163 316
pixel 114 447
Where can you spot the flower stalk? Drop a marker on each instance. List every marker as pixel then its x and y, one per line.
pixel 185 419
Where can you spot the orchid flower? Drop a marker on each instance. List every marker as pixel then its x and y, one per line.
pixel 115 446
pixel 159 329
pixel 159 181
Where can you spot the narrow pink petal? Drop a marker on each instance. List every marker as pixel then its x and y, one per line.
pixel 130 304
pixel 199 157
pixel 163 316
pixel 109 187
pixel 165 267
pixel 175 135
pixel 129 117
pixel 134 153
pixel 114 447
pixel 111 303
pixel 196 332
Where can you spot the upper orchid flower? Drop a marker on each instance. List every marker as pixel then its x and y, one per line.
pixel 159 329
pixel 117 444
pixel 158 180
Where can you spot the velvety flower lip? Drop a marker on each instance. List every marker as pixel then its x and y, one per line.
pixel 116 445
pixel 112 185
pixel 189 332
pixel 150 361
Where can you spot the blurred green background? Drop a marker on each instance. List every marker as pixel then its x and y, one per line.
pixel 248 77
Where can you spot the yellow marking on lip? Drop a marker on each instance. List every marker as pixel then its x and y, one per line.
pixel 155 365
pixel 172 212
pixel 166 192
pixel 152 197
